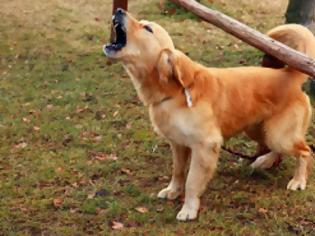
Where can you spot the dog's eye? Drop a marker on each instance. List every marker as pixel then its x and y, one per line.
pixel 148 28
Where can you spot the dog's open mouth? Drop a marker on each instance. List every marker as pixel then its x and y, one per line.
pixel 120 37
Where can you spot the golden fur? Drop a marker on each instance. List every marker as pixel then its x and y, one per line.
pixel 268 104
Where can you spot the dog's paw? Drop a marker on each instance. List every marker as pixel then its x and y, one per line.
pixel 296 184
pixel 186 214
pixel 169 193
pixel 264 162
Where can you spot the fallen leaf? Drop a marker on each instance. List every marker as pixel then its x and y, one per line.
pixel 101 156
pixel 26 120
pixel 36 128
pixel 126 171
pixel 49 106
pixel 115 113
pixel 97 138
pixel 73 210
pixel 262 210
pixel 112 157
pixel 142 209
pixel 60 170
pixel 75 185
pixel 117 225
pixel 80 110
pixel 57 202
pixel 91 195
pixel 160 209
pixel 20 145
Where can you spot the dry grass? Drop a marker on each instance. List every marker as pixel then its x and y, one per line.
pixel 66 115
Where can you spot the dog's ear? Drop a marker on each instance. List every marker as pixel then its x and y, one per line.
pixel 168 67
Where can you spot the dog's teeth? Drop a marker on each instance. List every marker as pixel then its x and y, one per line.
pixel 113 17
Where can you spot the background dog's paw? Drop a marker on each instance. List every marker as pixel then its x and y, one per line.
pixel 168 193
pixel 296 184
pixel 265 162
pixel 186 214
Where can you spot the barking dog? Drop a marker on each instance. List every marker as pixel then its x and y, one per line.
pixel 195 108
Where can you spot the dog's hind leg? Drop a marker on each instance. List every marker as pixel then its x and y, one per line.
pixel 202 167
pixel 285 134
pixel 176 186
pixel 304 166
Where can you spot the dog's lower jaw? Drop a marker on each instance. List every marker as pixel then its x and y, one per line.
pixel 189 210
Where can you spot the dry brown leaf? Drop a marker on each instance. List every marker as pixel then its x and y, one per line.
pixel 100 156
pixel 20 145
pixel 117 225
pixel 91 195
pixel 112 157
pixel 98 138
pixel 36 128
pixel 262 210
pixel 60 170
pixel 73 210
pixel 115 113
pixel 126 171
pixel 141 209
pixel 82 109
pixel 75 185
pixel 103 156
pixel 50 106
pixel 57 202
pixel 26 120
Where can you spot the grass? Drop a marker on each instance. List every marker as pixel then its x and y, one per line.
pixel 77 148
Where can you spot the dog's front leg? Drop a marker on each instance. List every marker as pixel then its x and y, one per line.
pixel 202 167
pixel 180 159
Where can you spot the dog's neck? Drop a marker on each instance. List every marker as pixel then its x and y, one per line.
pixel 150 89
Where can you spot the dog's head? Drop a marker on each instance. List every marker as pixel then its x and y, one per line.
pixel 136 40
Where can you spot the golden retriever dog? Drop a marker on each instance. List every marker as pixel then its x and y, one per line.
pixel 196 108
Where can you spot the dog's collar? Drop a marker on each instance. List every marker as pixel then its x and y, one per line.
pixel 161 101
pixel 188 97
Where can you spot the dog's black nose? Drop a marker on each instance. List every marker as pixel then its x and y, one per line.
pixel 120 11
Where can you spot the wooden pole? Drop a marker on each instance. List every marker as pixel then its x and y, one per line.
pixel 118 4
pixel 261 41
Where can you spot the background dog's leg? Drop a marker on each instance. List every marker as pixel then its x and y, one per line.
pixel 257 133
pixel 202 167
pixel 180 159
pixel 285 134
pixel 303 169
pixel 266 161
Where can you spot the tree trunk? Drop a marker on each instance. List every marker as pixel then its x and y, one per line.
pixel 118 4
pixel 302 12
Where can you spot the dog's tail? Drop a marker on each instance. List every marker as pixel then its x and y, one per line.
pixel 295 36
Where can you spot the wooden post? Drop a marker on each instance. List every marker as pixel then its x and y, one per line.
pixel 261 41
pixel 118 4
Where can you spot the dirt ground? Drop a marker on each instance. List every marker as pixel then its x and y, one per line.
pixel 78 155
